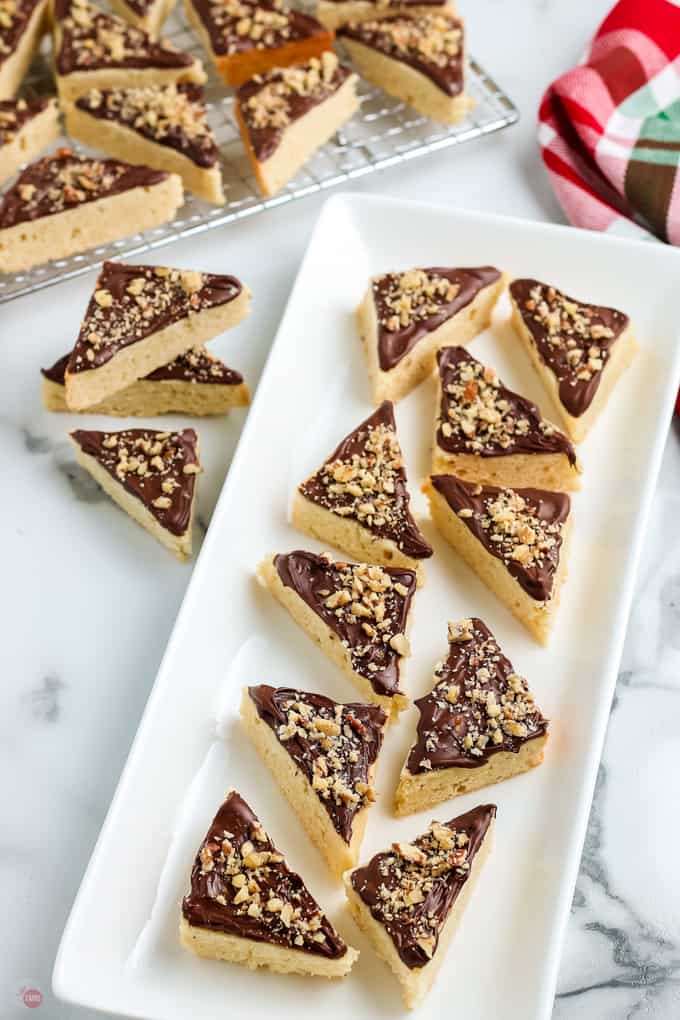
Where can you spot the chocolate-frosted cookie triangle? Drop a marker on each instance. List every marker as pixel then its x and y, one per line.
pixel 97 50
pixel 514 539
pixel 141 317
pixel 323 755
pixel 358 500
pixel 579 350
pixel 408 900
pixel 26 127
pixel 357 613
pixel 246 906
pixel 485 432
pixel 406 317
pixel 151 475
pixel 478 725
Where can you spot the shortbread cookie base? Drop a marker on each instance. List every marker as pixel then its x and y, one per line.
pixel 420 361
pixel 34 242
pixel 350 537
pixel 70 86
pixel 416 982
pixel 335 15
pixel 425 789
pixel 400 80
pixel 537 617
pixel 147 399
pixel 623 352
pixel 301 139
pixel 551 471
pixel 39 132
pixel 179 545
pixel 215 945
pixel 14 68
pixel 123 143
pixel 298 791
pixel 150 22
pixel 92 386
pixel 326 639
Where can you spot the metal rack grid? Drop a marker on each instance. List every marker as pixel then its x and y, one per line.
pixel 383 133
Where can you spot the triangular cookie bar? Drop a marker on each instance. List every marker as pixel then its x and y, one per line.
pixel 336 13
pixel 408 900
pixel 245 905
pixel 579 350
pixel 64 204
pixel 406 317
pixel 358 500
pixel 514 539
pixel 22 26
pixel 478 725
pixel 358 615
pixel 323 756
pixel 151 475
pixel 485 432
pixel 27 126
pixel 103 51
pixel 142 317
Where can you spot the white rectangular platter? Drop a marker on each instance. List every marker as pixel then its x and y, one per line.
pixel 120 951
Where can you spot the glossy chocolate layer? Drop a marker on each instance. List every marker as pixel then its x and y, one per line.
pixel 384 882
pixel 265 140
pixel 132 314
pixel 395 344
pixel 585 326
pixel 63 181
pixel 220 20
pixel 140 7
pixel 125 455
pixel 169 115
pixel 16 113
pixel 447 72
pixel 502 425
pixel 86 42
pixel 395 520
pixel 314 578
pixel 548 510
pixel 477 707
pixel 196 367
pixel 15 23
pixel 338 764
pixel 212 900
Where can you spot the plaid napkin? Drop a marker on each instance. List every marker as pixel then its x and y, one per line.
pixel 610 128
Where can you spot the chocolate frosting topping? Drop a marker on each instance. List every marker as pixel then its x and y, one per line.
pixel 157 468
pixel 434 295
pixel 411 889
pixel 276 24
pixel 140 7
pixel 431 43
pixel 573 339
pixel 521 527
pixel 17 15
pixel 479 415
pixel 63 181
pixel 279 910
pixel 334 745
pixel 15 113
pixel 197 366
pixel 170 115
pixel 92 40
pixel 477 707
pixel 380 592
pixel 132 302
pixel 364 478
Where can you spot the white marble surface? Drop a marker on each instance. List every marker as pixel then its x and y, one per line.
pixel 88 600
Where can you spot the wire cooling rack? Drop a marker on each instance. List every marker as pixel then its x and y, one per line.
pixel 383 133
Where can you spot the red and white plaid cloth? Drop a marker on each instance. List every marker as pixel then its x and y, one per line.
pixel 610 128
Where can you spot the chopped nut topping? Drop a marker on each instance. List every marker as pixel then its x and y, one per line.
pixel 435 39
pixel 273 104
pixel 412 296
pixel 236 25
pixel 94 39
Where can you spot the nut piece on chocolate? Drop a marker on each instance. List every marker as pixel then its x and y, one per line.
pixel 485 432
pixel 246 906
pixel 408 900
pixel 478 725
pixel 358 501
pixel 579 350
pixel 357 613
pixel 323 755
pixel 151 475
